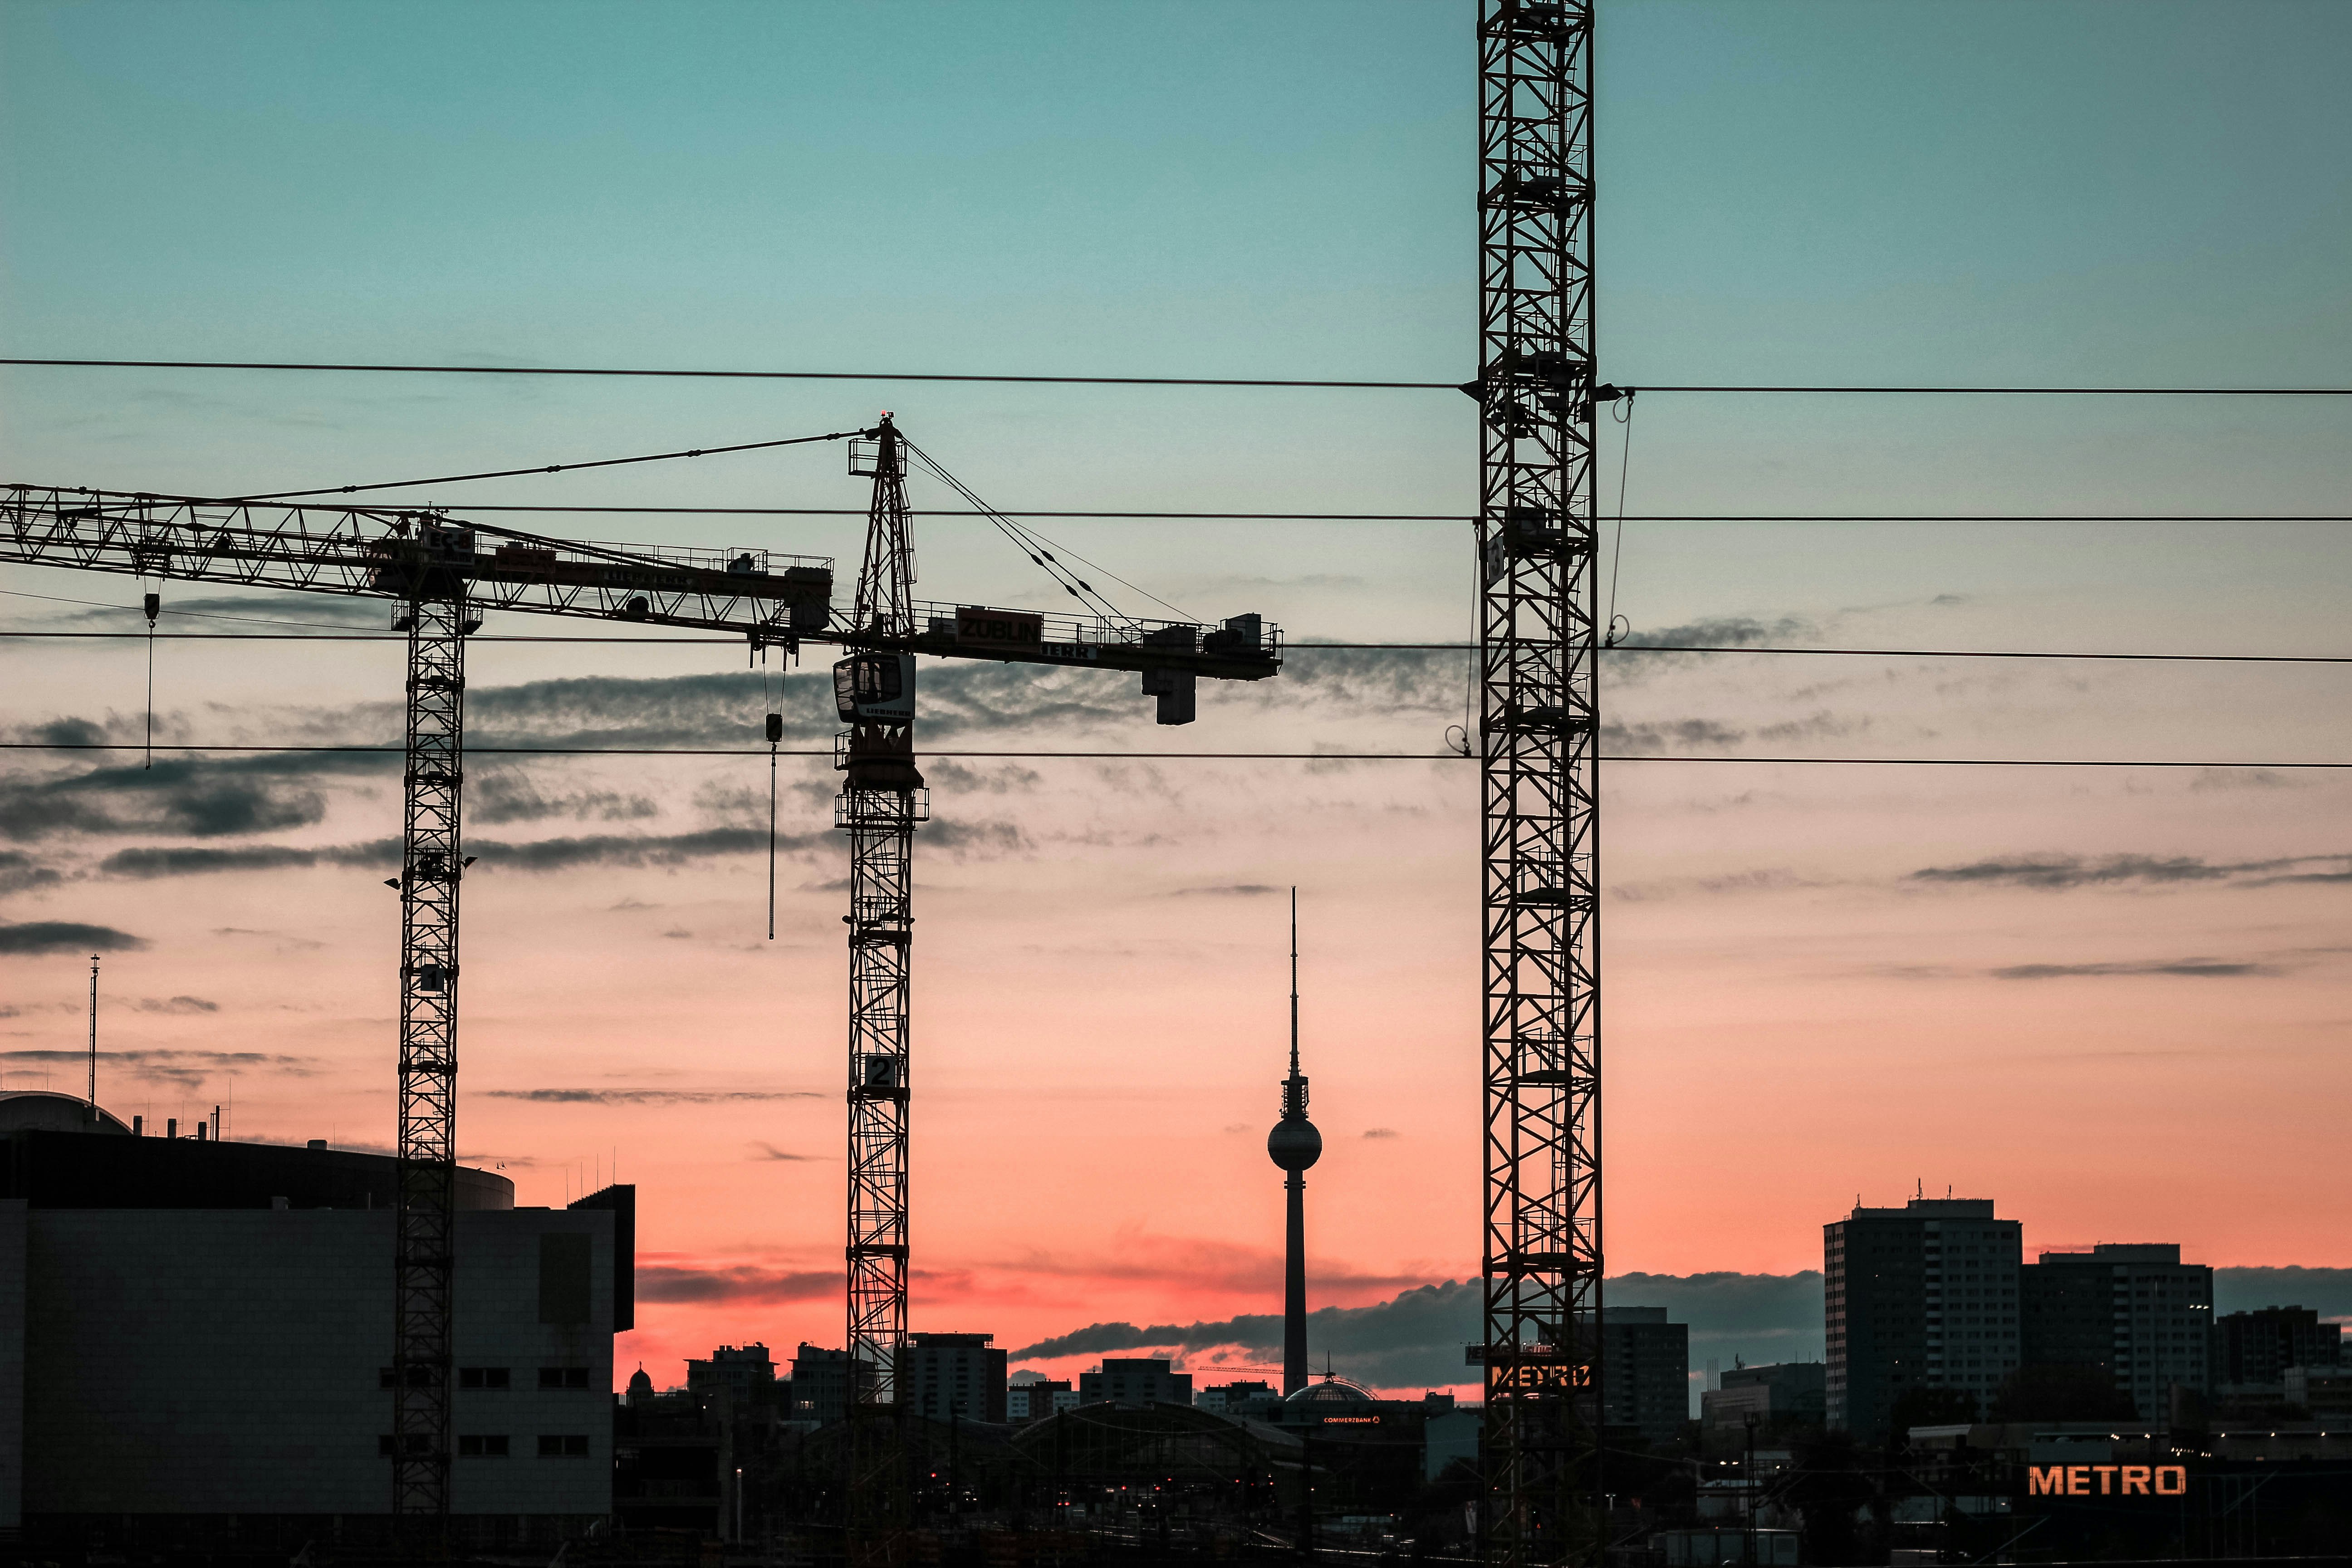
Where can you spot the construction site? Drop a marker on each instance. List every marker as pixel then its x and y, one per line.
pixel 846 752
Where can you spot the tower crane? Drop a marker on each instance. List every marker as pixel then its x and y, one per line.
pixel 1538 639
pixel 441 574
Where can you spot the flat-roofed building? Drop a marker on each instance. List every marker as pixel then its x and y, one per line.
pixel 1923 1297
pixel 199 1337
pixel 2134 1310
pixel 944 1375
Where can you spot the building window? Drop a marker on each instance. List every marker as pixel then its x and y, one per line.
pixel 564 1377
pixel 482 1445
pixel 416 1445
pixel 419 1376
pixel 484 1377
pixel 562 1446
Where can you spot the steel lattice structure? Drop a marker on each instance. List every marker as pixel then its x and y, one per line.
pixel 1538 639
pixel 882 798
pixel 433 867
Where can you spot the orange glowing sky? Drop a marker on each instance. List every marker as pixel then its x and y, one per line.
pixel 2114 999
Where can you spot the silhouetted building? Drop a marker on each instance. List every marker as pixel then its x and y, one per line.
pixel 195 1342
pixel 1775 1398
pixel 1035 1401
pixel 2258 1347
pixel 1645 1371
pixel 820 1384
pixel 1243 1398
pixel 941 1375
pixel 735 1379
pixel 673 1461
pixel 1922 1297
pixel 1135 1382
pixel 2134 1312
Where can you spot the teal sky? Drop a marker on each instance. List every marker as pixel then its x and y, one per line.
pixel 2102 970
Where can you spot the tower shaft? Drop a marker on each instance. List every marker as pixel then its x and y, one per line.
pixel 432 864
pixel 1539 638
pixel 1294 1287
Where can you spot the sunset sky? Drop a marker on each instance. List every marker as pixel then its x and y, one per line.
pixel 2114 999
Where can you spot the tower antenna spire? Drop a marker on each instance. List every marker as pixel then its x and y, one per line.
pixel 1293 982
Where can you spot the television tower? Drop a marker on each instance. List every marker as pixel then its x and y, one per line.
pixel 1294 1145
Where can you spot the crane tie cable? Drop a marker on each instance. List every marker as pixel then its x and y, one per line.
pixel 544 468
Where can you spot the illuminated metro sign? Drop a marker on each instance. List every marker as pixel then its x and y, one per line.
pixel 2113 1481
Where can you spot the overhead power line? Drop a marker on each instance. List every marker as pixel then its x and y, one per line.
pixel 1203 756
pixel 1312 516
pixel 732 374
pixel 1142 380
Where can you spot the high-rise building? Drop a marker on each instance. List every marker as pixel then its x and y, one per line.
pixel 1922 1297
pixel 2133 1310
pixel 944 1375
pixel 2256 1348
pixel 1644 1371
pixel 1135 1381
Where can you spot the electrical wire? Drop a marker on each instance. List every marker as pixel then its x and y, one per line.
pixel 544 468
pixel 1224 756
pixel 341 636
pixel 734 374
pixel 1138 380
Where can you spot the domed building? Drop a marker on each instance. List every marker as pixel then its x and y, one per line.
pixel 1332 1400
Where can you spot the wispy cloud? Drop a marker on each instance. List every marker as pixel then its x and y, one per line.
pixel 647 1096
pixel 769 1152
pixel 174 1068
pixel 2191 968
pixel 27 938
pixel 2060 872
pixel 742 1284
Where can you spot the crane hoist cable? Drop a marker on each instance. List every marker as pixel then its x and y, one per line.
pixel 1609 634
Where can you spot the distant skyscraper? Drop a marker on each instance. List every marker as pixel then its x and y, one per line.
pixel 944 1375
pixel 1645 1371
pixel 1920 1297
pixel 1294 1145
pixel 2256 1348
pixel 2135 1312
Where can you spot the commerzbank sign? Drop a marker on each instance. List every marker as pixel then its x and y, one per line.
pixel 2112 1480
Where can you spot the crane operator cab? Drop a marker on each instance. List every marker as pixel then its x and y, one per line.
pixel 874 695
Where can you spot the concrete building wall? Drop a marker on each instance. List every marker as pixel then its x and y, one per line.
pixel 13 1227
pixel 232 1361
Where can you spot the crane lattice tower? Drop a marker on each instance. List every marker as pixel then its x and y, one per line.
pixel 1538 639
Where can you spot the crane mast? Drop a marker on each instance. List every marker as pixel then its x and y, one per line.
pixel 1539 638
pixel 433 866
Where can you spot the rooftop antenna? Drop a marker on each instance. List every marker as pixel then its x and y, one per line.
pixel 93 1036
pixel 1294 982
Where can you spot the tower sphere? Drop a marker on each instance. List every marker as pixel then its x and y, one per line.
pixel 1294 1145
